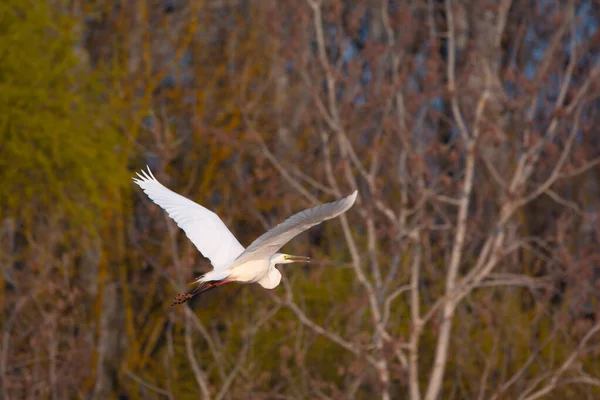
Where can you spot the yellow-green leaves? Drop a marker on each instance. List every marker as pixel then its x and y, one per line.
pixel 59 142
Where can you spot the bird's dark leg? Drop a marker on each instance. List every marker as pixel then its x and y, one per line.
pixel 183 297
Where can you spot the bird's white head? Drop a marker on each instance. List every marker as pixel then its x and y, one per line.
pixel 280 258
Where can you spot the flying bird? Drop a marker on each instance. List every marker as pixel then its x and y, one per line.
pixel 230 261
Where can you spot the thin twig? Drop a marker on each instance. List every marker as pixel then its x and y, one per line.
pixel 148 385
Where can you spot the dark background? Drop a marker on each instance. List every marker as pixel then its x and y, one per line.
pixel 468 269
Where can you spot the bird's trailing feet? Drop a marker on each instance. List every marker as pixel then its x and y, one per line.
pixel 184 297
pixel 181 298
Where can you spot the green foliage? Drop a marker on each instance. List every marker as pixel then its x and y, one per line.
pixel 59 143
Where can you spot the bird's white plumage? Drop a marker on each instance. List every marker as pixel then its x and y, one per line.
pixel 231 262
pixel 271 241
pixel 202 226
pixel 271 279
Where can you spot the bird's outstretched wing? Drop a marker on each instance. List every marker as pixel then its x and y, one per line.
pixel 202 226
pixel 272 240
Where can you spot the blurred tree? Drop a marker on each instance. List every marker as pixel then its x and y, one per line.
pixel 467 269
pixel 62 171
pixel 62 151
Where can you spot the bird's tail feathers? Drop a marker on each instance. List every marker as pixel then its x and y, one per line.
pixel 214 275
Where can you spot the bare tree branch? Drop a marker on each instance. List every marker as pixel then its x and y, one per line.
pixel 555 378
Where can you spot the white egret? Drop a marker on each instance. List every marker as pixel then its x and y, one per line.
pixel 230 261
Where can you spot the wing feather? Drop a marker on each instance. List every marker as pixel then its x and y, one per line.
pixel 202 226
pixel 272 240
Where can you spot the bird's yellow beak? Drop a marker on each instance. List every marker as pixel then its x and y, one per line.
pixel 292 259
